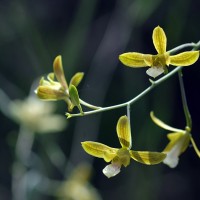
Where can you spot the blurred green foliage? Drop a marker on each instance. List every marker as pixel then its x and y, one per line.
pixel 90 35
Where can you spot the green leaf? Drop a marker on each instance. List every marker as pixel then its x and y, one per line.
pixel 73 93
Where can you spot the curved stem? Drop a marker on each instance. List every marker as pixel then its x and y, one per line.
pixel 147 90
pixel 178 48
pixel 195 146
pixel 89 105
pixel 183 96
pixel 128 109
pixel 184 101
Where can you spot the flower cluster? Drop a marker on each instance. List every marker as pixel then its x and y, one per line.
pixel 52 90
pixel 179 139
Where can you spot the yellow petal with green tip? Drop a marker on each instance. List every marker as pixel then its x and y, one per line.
pixel 124 132
pixel 76 79
pixel 59 72
pixel 185 58
pixel 133 59
pixel 159 40
pixel 147 157
pixel 163 125
pixel 99 150
pixel 73 93
pixel 50 93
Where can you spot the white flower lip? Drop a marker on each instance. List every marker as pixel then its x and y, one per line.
pixel 111 170
pixel 155 71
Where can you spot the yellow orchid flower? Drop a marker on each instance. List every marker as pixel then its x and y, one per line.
pixel 158 63
pixel 179 141
pixel 37 116
pixel 121 156
pixel 52 90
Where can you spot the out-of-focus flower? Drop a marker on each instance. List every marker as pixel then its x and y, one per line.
pixel 77 186
pixel 37 115
pixel 179 141
pixel 121 156
pixel 52 90
pixel 158 63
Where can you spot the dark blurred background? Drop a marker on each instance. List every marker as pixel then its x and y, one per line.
pixel 90 35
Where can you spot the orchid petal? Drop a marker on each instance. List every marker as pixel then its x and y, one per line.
pixel 180 140
pixel 99 150
pixel 163 125
pixel 76 79
pixel 159 40
pixel 50 93
pixel 148 59
pixel 133 59
pixel 59 72
pixel 51 77
pixel 147 157
pixel 124 132
pixel 44 82
pixel 185 58
pixel 177 145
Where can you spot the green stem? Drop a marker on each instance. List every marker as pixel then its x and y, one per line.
pixel 183 96
pixel 89 105
pixel 128 109
pixel 178 48
pixel 146 91
pixel 184 101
